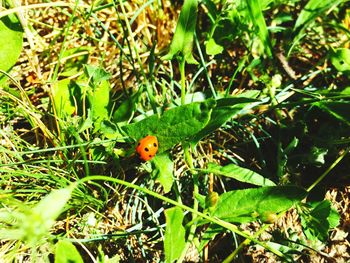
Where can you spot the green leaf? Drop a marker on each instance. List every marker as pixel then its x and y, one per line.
pixel 340 59
pixel 174 126
pixel 247 205
pixel 209 234
pixel 66 252
pixel 239 173
pixel 212 48
pixel 163 172
pixel 96 74
pixel 98 94
pixel 319 221
pixel 257 17
pixel 51 206
pixel 338 109
pixel 42 216
pixel 74 59
pixel 224 110
pixel 62 98
pixel 312 10
pixel 126 109
pixel 174 239
pixel 110 130
pixel 182 42
pixel 11 41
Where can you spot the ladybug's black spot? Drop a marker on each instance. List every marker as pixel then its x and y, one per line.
pixel 154 144
pixel 150 156
pixel 146 149
pixel 138 144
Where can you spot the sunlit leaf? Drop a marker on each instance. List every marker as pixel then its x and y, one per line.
pixel 340 59
pixel 250 204
pixel 224 110
pixel 175 125
pixel 317 223
pixel 10 41
pixel 62 98
pixel 163 172
pixel 66 252
pixel 257 17
pixel 213 48
pixel 174 239
pixel 241 174
pixel 312 10
pixel 182 42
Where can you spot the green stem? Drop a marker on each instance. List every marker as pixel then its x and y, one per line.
pixel 330 168
pixel 182 63
pixel 134 45
pixel 192 232
pixel 217 221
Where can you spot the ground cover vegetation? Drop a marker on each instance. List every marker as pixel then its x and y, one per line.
pixel 163 131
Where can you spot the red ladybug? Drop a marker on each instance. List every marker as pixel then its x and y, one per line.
pixel 147 147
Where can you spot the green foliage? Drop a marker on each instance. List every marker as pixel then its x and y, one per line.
pixel 318 220
pixel 32 225
pixel 182 42
pixel 10 42
pixel 311 11
pixel 98 93
pixel 163 171
pixel 175 125
pixel 174 239
pixel 340 59
pixel 66 252
pixel 224 110
pixel 247 205
pixel 62 93
pixel 239 173
pixel 338 109
pixel 264 95
pixel 257 17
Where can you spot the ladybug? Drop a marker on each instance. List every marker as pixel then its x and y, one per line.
pixel 147 147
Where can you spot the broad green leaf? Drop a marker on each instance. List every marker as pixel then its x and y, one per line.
pixel 340 59
pixel 66 252
pixel 52 205
pixel 247 205
pixel 257 17
pixel 317 223
pixel 174 126
pixel 42 216
pixel 98 94
pixel 163 172
pixel 62 98
pixel 241 174
pixel 212 48
pixel 224 110
pixel 174 239
pixel 312 10
pixel 183 38
pixel 11 41
pixel 338 109
pixel 99 102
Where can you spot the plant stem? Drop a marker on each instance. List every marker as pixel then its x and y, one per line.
pixel 217 221
pixel 182 63
pixel 330 168
pixel 134 45
pixel 189 161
